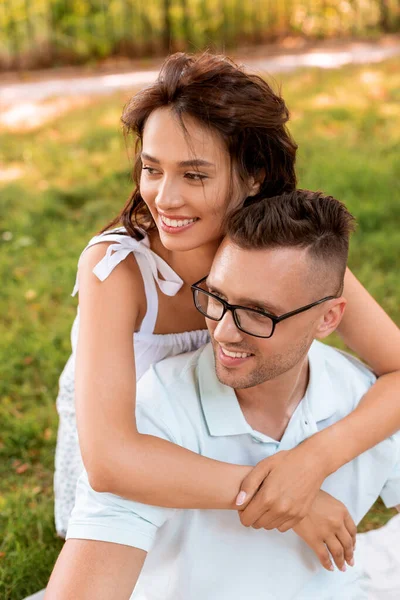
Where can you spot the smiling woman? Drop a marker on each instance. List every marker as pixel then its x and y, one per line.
pixel 178 121
pixel 187 199
pixel 209 136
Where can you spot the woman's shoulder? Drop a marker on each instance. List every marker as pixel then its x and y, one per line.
pixel 110 257
pixel 106 251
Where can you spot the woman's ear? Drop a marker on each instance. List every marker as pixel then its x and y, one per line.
pixel 331 318
pixel 255 182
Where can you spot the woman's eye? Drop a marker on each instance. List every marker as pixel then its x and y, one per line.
pixel 195 176
pixel 150 170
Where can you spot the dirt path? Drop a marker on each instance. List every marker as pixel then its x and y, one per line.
pixel 31 103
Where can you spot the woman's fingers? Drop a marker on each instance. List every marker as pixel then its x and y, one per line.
pixel 252 482
pixel 264 522
pixel 289 524
pixel 275 517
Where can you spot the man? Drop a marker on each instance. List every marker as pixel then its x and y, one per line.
pixel 263 385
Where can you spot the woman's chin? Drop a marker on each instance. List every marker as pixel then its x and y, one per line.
pixel 179 244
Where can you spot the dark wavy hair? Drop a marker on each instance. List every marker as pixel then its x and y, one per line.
pixel 241 107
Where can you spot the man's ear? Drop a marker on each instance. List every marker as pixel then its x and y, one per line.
pixel 331 318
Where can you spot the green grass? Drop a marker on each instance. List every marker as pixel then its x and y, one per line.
pixel 73 177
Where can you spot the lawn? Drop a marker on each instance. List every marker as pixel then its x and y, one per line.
pixel 63 182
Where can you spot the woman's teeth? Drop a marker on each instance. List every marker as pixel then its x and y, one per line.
pixel 235 354
pixel 175 223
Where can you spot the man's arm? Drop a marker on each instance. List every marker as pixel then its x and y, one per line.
pixel 88 569
pixel 108 536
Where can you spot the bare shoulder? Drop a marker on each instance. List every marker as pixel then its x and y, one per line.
pixel 122 290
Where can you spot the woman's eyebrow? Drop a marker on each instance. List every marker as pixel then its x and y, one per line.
pixel 146 156
pixel 194 162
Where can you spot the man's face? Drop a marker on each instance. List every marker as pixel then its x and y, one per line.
pixel 277 281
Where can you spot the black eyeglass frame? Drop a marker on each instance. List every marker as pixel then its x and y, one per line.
pixel 233 307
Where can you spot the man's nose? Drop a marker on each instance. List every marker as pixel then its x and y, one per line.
pixel 226 331
pixel 168 195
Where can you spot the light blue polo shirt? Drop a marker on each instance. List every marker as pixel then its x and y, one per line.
pixel 209 554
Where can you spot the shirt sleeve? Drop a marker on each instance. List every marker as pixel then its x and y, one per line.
pixel 109 518
pixel 391 491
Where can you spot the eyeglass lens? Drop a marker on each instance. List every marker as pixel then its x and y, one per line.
pixel 251 322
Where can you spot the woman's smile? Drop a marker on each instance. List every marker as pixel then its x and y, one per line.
pixel 176 224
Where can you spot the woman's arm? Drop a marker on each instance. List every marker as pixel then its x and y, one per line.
pixel 371 334
pixel 117 457
pixel 368 330
pixel 296 476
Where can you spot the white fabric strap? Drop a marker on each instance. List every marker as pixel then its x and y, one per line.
pixel 150 290
pixel 152 267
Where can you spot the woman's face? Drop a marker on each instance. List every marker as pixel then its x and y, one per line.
pixel 186 180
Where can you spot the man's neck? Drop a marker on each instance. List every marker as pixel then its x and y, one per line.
pixel 268 407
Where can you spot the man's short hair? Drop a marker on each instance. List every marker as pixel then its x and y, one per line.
pixel 302 219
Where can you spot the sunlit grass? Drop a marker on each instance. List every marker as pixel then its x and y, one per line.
pixel 67 179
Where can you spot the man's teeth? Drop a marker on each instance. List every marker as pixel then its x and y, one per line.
pixel 175 223
pixel 235 354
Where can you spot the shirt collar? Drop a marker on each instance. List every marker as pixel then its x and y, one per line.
pixel 221 408
pixel 220 405
pixel 320 394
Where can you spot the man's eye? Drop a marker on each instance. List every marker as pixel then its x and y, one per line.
pixel 195 176
pixel 258 316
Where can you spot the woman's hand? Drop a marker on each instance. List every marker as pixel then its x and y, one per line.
pixel 281 489
pixel 328 527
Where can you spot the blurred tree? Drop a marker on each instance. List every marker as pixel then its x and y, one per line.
pixel 384 19
pixel 186 21
pixel 166 34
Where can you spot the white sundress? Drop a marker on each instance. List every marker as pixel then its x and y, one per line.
pixel 149 348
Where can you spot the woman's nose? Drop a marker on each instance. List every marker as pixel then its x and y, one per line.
pixel 168 195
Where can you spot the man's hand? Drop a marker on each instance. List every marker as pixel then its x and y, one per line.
pixel 329 527
pixel 281 489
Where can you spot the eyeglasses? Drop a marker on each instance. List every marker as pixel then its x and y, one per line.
pixel 255 322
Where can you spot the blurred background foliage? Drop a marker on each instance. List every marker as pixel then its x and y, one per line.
pixel 39 33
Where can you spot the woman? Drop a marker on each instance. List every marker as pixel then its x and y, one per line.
pixel 209 136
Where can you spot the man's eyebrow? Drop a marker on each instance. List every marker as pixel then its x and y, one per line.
pixel 212 287
pixel 269 308
pixel 249 301
pixel 195 162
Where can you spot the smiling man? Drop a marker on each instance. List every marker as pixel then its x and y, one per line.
pixel 263 385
